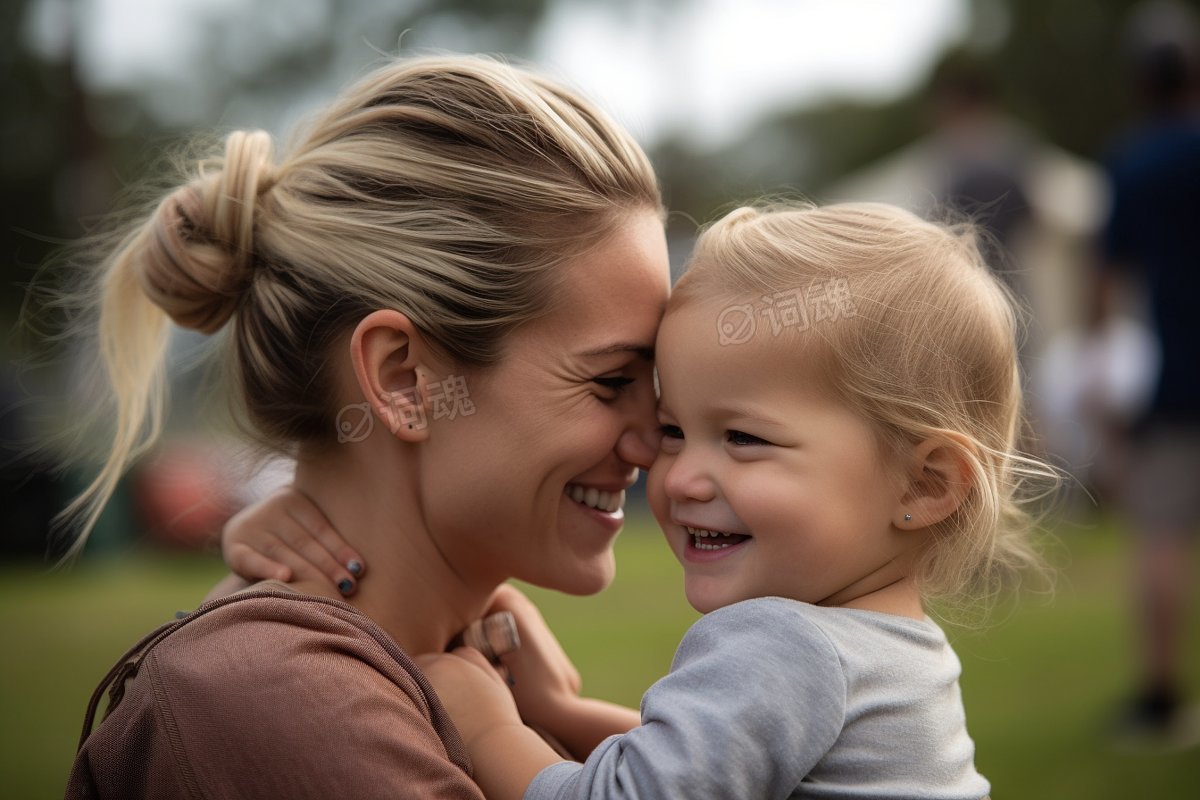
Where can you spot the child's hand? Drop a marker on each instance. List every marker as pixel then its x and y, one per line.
pixel 471 690
pixel 505 754
pixel 544 681
pixel 546 684
pixel 286 537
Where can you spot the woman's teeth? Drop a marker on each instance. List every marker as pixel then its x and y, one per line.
pixel 607 502
pixel 725 539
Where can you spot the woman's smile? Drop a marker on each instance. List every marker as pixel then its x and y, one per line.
pixel 603 507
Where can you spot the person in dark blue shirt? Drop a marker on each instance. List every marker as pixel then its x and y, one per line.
pixel 1152 239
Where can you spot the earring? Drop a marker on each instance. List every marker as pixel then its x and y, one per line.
pixel 908 517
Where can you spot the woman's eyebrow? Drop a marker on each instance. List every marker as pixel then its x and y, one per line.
pixel 643 351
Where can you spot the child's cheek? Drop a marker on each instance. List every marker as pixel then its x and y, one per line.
pixel 656 494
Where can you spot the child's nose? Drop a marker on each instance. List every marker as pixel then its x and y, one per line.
pixel 686 479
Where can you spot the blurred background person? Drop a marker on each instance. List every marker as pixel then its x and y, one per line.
pixel 1151 244
pixel 985 159
pixel 1037 207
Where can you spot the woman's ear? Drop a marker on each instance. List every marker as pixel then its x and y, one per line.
pixel 939 478
pixel 394 364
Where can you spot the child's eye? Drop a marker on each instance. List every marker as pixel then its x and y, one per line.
pixel 617 383
pixel 738 437
pixel 671 431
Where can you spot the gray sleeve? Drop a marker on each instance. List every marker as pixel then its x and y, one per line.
pixel 755 697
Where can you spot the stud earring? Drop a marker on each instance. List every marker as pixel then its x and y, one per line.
pixel 908 517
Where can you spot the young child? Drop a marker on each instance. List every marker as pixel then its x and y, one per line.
pixel 839 406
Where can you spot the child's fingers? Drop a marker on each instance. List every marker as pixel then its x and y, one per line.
pixel 540 662
pixel 253 565
pixel 295 546
pixel 310 518
pixel 507 598
pixel 495 635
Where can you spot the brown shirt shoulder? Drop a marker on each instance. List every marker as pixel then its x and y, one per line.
pixel 273 694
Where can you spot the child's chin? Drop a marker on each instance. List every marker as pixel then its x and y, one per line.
pixel 705 600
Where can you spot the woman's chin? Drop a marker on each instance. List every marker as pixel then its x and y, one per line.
pixel 583 579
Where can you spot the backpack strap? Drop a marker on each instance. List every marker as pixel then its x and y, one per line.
pixel 125 667
pixel 128 665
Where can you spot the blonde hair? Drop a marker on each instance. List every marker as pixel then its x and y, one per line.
pixel 925 345
pixel 449 188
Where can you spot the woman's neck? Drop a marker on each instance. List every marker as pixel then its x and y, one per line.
pixel 410 590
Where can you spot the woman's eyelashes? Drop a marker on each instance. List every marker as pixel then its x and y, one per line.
pixel 615 383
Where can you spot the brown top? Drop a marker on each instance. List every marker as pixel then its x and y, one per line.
pixel 272 694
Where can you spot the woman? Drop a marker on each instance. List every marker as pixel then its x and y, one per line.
pixel 474 256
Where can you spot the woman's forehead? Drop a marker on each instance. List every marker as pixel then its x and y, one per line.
pixel 613 296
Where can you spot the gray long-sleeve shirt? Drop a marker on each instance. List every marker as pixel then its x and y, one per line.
pixel 773 698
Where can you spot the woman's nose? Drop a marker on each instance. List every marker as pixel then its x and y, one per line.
pixel 638 446
pixel 638 443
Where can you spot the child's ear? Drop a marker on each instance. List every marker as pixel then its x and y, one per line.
pixel 393 365
pixel 939 478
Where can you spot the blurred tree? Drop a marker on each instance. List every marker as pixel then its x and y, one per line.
pixel 71 142
pixel 1057 64
pixel 1061 66
pixel 35 139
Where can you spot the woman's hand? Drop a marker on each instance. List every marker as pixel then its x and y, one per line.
pixel 286 537
pixel 544 681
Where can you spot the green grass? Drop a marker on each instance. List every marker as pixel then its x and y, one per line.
pixel 1039 682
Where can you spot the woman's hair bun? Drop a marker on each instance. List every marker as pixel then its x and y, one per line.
pixel 199 245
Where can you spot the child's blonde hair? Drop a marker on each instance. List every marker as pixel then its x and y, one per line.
pixel 923 344
pixel 449 188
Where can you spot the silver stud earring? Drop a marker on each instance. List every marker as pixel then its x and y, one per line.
pixel 908 517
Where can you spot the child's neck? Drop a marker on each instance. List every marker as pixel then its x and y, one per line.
pixel 899 597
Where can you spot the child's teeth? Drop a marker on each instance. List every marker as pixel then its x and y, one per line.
pixel 699 534
pixel 702 532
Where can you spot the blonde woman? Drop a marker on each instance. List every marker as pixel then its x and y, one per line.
pixel 442 301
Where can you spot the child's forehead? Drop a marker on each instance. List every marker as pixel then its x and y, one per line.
pixel 784 317
pixel 744 343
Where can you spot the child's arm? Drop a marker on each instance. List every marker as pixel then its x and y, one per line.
pixel 284 537
pixel 586 722
pixel 546 684
pixel 755 699
pixel 505 753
